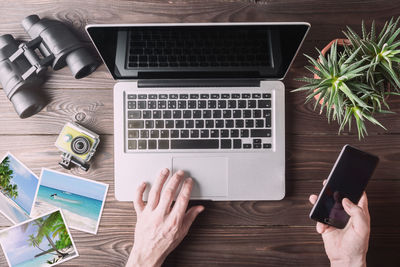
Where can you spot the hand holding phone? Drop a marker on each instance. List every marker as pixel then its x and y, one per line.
pixel 348 179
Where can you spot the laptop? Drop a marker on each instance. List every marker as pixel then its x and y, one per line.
pixel 205 98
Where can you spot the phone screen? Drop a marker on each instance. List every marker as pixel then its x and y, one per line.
pixel 348 179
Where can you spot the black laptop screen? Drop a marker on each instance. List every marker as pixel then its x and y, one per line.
pixel 198 51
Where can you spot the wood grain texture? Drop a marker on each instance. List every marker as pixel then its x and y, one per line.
pixel 240 233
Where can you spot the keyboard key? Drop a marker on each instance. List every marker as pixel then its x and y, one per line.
pixel 133 134
pixel 242 104
pixel 237 113
pixel 206 114
pixel 131 104
pixel 246 113
pixel 249 123
pixel 135 124
pixel 246 146
pixel 234 133
pixel 194 133
pixel 181 104
pixel 177 114
pixel 141 104
pixel 142 144
pixel 264 103
pixel 214 96
pixel 146 114
pixel 224 133
pixel 179 124
pixel 142 96
pixel 132 144
pixel 130 96
pixel 184 133
pixel 260 133
pixel 152 104
pixel 194 144
pixel 192 104
pixel 259 123
pixel 219 123
pixel 231 103
pixel 226 143
pixel 214 133
pixel 256 141
pixel 225 96
pixel 212 104
pixel 144 134
pixel 267 115
pixel 189 124
pixel 202 104
pixel 183 96
pixel 267 146
pixel 246 95
pixel 244 133
pixel 164 134
pixel 204 133
pixel 199 124
pixel 256 113
pixel 163 96
pixel 166 114
pixel 229 123
pixel 204 96
pixel 154 134
pixel 163 144
pixel 227 113
pixel 152 144
pixel 256 95
pixel 237 143
pixel 256 146
pixel 266 95
pixel 173 96
pixel 239 123
pixel 149 124
pixel 152 96
pixel 174 133
pixel 209 124
pixel 187 114
pixel 169 124
pixel 172 104
pixel 196 114
pixel 221 103
pixel 235 95
pixel 159 124
pixel 252 103
pixel 162 104
pixel 194 96
pixel 217 114
pixel 134 114
pixel 156 114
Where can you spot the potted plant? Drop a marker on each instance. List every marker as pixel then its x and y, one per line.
pixel 354 83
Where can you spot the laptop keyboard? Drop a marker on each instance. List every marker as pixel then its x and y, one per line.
pixel 225 121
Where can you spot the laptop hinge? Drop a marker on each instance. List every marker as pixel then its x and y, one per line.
pixel 198 83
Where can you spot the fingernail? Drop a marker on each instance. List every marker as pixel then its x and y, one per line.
pixel 189 180
pixel 180 172
pixel 346 202
pixel 201 209
pixel 165 171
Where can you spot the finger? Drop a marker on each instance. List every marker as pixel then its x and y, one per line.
pixel 313 198
pixel 321 227
pixel 155 191
pixel 360 220
pixel 138 203
pixel 190 216
pixel 363 204
pixel 168 195
pixel 182 201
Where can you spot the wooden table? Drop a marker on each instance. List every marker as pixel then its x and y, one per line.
pixel 228 233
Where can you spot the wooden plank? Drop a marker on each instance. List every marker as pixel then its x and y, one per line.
pixel 231 246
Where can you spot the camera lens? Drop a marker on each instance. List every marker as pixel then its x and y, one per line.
pixel 80 145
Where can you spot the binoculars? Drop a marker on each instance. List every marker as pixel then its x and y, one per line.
pixel 22 65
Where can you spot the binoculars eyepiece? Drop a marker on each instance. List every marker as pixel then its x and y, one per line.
pixel 22 69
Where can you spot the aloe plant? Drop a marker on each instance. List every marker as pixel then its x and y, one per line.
pixel 354 84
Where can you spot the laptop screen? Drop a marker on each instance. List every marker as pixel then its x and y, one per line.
pixel 225 50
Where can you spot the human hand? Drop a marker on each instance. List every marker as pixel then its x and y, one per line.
pixel 348 246
pixel 160 227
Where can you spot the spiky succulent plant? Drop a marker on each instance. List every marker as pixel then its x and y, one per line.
pixel 354 84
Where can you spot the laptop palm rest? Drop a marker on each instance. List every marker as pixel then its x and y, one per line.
pixel 210 175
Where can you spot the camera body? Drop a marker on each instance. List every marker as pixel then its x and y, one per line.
pixel 78 145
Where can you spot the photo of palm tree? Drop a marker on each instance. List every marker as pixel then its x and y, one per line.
pixel 18 188
pixel 44 241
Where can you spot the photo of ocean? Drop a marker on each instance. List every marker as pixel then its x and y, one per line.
pixel 81 200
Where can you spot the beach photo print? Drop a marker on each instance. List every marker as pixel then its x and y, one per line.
pixel 18 188
pixel 43 241
pixel 81 200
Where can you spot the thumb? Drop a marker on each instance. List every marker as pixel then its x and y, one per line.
pixel 359 219
pixel 190 216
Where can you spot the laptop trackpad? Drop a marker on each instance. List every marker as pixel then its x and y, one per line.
pixel 210 175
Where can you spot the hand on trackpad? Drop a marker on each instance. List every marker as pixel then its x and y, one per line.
pixel 210 175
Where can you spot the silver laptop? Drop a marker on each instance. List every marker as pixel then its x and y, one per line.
pixel 203 98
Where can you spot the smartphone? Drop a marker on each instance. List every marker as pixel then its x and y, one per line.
pixel 348 179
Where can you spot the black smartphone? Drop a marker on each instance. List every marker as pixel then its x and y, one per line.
pixel 348 179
